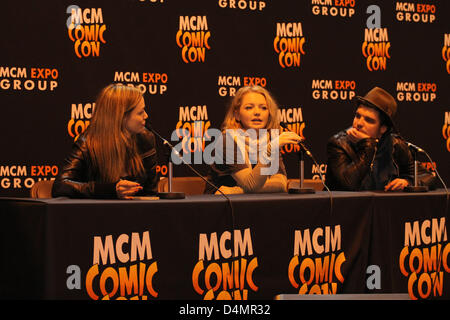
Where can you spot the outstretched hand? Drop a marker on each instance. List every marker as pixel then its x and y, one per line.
pixel 125 189
pixel 396 185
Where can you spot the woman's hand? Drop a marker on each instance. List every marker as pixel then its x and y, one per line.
pixel 230 190
pixel 396 184
pixel 125 189
pixel 288 137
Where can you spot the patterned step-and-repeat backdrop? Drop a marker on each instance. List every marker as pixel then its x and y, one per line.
pixel 190 57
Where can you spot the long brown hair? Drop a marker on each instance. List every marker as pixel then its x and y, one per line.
pixel 230 121
pixel 112 148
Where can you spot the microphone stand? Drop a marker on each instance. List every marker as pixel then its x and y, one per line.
pixel 304 149
pixel 170 194
pixel 415 187
pixel 301 189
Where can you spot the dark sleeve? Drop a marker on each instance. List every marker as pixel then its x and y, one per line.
pixel 74 181
pixel 147 146
pixel 347 167
pixel 404 160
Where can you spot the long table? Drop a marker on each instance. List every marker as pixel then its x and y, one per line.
pixel 255 246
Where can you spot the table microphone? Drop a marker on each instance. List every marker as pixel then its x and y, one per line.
pixel 309 154
pixel 172 148
pixel 170 194
pixel 416 187
pixel 302 145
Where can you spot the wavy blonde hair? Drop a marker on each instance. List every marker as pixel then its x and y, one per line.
pixel 112 148
pixel 230 121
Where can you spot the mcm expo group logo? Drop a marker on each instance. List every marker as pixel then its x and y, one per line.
pixel 415 12
pixel 28 78
pixel 18 176
pixel 324 89
pixel 229 84
pixel 250 5
pixel 334 8
pixel 153 83
pixel 416 91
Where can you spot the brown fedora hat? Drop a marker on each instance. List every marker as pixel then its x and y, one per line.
pixel 380 100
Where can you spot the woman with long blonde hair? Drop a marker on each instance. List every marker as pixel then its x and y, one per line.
pixel 116 156
pixel 248 130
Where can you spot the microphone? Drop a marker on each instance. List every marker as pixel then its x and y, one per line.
pixel 420 150
pixel 149 127
pixel 284 125
pixel 416 148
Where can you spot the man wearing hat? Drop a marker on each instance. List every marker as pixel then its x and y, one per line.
pixel 369 155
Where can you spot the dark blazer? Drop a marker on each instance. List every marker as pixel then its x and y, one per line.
pixel 79 179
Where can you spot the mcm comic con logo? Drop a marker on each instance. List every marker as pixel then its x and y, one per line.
pixel 86 29
pixel 376 46
pixel 289 44
pixel 193 38
pixel 225 267
pixel 123 268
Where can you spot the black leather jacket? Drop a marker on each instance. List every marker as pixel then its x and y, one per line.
pixel 367 164
pixel 78 179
